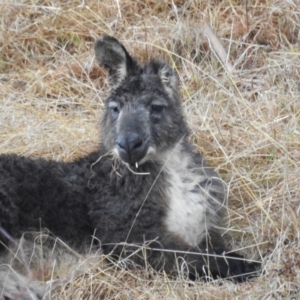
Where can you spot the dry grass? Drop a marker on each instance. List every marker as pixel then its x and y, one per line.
pixel 247 124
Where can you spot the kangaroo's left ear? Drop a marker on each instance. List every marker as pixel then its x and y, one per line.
pixel 167 75
pixel 113 56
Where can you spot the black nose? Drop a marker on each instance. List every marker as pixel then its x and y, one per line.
pixel 131 147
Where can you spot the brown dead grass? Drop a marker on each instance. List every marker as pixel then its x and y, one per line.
pixel 246 123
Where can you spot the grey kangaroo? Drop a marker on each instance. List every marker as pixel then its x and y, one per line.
pixel 145 192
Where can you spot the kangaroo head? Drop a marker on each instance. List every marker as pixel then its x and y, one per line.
pixel 143 116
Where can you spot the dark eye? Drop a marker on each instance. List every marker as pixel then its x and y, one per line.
pixel 115 109
pixel 157 109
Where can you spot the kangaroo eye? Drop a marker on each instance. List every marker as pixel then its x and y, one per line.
pixel 157 108
pixel 115 109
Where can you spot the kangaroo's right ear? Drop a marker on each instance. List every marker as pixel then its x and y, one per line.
pixel 113 56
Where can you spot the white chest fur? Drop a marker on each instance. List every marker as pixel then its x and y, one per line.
pixel 188 202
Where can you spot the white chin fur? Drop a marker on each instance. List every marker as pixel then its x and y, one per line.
pixel 149 155
pixel 115 152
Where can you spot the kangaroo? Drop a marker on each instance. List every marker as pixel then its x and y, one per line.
pixel 145 192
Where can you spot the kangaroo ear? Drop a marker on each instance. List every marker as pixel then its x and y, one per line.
pixel 166 74
pixel 113 56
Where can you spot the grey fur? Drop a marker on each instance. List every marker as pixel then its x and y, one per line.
pixel 145 184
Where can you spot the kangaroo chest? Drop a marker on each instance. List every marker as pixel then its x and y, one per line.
pixel 187 202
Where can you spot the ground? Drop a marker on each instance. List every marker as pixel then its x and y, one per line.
pixel 244 119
